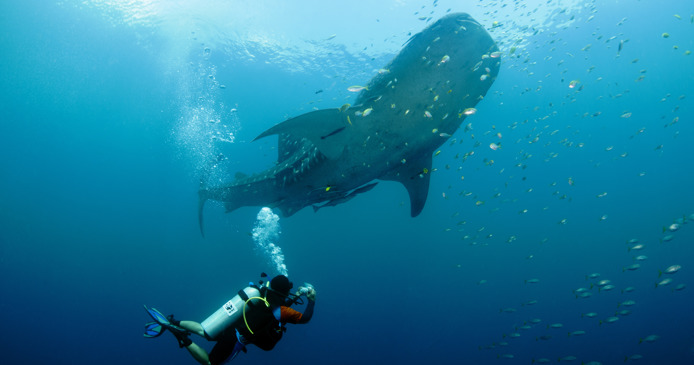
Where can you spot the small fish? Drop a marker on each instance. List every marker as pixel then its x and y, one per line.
pixel 649 339
pixel 494 146
pixel 589 315
pixel 663 282
pixel 357 88
pixel 585 295
pixel 607 287
pixel 427 114
pixel 366 112
pixel 555 325
pixel 640 246
pixel 666 35
pixel 344 107
pixel 670 270
pixel 631 267
pixel 603 282
pixel 469 111
pixel 610 320
pixel 495 54
pixel 626 303
pixel 444 59
pixel 532 281
pixel 577 333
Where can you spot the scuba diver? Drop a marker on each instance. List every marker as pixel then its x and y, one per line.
pixel 256 315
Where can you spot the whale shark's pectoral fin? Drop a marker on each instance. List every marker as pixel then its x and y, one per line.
pixel 327 129
pixel 415 176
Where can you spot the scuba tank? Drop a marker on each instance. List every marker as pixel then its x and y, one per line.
pixel 231 314
pixel 248 312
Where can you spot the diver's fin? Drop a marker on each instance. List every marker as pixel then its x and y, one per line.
pixel 164 323
pixel 414 175
pixel 324 128
pixel 153 329
pixel 157 316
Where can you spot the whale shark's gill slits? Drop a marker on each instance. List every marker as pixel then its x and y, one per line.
pixel 305 156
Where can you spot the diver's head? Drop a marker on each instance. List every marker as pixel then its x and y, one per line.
pixel 281 285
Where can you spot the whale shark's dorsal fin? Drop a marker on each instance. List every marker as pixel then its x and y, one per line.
pixel 414 175
pixel 322 127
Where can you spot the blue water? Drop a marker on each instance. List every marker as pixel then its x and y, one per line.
pixel 111 112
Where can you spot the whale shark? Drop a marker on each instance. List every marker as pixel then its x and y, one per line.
pixel 389 133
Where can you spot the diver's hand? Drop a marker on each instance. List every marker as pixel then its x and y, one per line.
pixel 311 295
pixel 301 291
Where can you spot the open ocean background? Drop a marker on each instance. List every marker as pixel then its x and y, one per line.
pixel 111 111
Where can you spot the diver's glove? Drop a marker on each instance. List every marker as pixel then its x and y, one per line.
pixel 308 290
pixel 311 295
